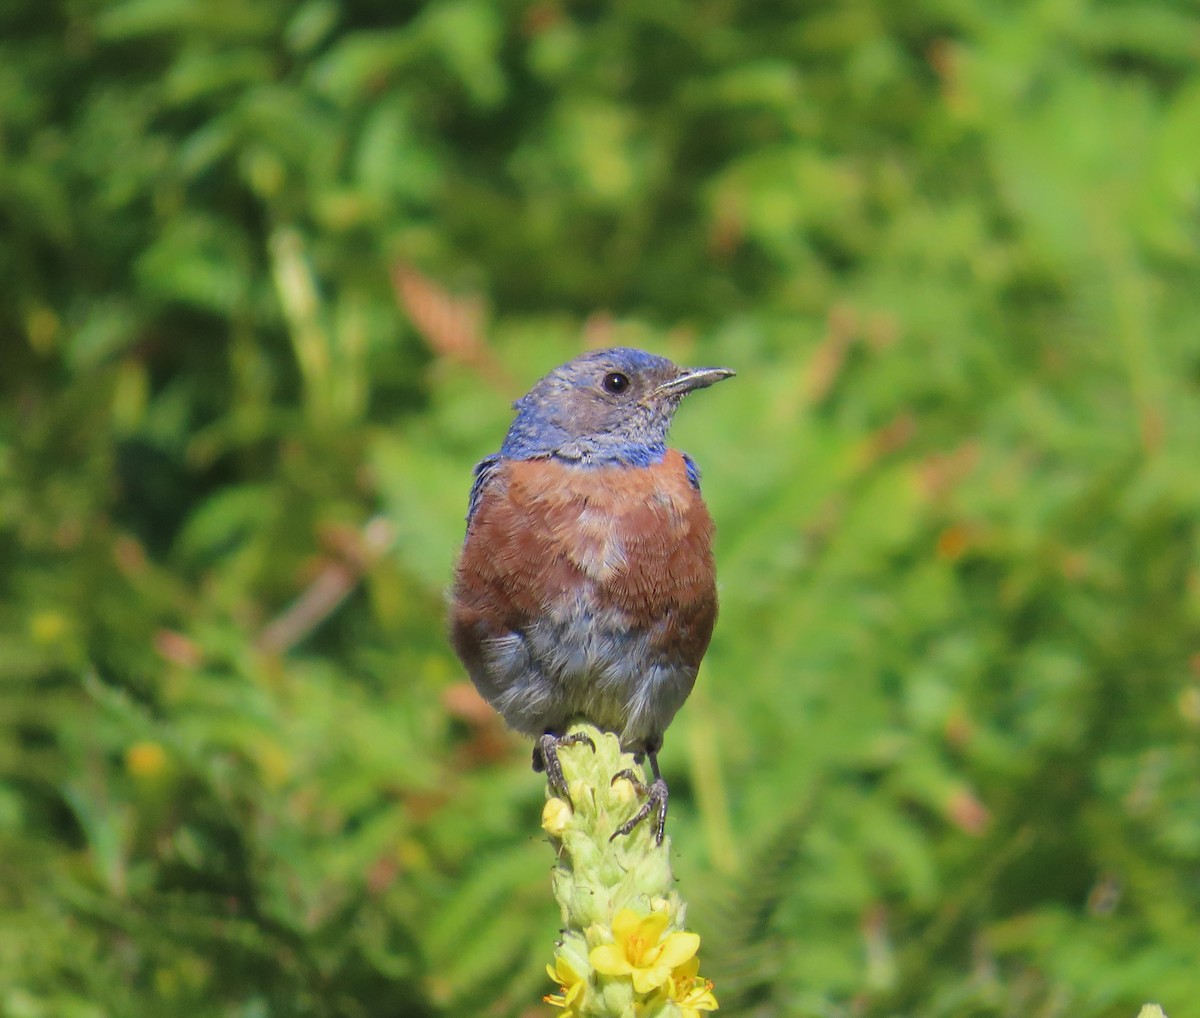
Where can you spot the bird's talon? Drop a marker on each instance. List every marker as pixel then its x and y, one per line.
pixel 545 758
pixel 656 803
pixel 639 785
pixel 575 739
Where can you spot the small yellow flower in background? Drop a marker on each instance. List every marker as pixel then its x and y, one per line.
pixel 145 759
pixel 692 993
pixel 48 627
pixel 640 950
pixel 556 814
pixel 570 984
pixel 275 763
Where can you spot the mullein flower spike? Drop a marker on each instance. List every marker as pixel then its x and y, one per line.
pixel 624 951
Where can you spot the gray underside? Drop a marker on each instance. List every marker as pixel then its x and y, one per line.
pixel 574 664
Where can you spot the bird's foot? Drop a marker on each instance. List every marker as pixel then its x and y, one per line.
pixel 656 803
pixel 545 758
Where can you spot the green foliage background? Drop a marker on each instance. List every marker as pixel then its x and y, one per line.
pixel 944 756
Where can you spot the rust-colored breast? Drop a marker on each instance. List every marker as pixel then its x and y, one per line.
pixel 633 540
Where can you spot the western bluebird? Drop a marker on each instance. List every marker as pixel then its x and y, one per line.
pixel 586 588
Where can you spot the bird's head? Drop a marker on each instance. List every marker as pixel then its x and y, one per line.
pixel 606 406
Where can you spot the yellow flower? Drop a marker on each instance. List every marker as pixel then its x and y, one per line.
pixel 692 993
pixel 145 759
pixel 48 627
pixel 622 791
pixel 556 815
pixel 640 950
pixel 571 984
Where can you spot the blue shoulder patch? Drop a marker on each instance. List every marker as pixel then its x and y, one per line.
pixel 693 471
pixel 485 469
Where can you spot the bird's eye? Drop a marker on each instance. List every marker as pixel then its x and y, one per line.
pixel 615 382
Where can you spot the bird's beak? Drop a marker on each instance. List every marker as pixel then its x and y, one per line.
pixel 692 379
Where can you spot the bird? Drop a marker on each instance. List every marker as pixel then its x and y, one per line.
pixel 585 589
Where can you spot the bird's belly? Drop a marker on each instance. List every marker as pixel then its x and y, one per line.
pixel 578 661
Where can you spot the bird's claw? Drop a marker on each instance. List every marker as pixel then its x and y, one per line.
pixel 656 802
pixel 545 758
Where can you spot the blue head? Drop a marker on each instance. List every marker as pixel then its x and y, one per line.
pixel 603 408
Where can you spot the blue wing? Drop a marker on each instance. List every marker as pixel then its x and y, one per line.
pixel 485 470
